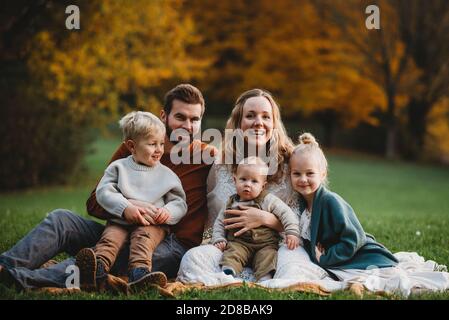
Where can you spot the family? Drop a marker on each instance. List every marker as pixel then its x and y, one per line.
pixel 213 223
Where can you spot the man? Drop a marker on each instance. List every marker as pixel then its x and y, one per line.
pixel 64 231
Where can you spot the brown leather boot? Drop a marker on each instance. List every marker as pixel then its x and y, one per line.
pixel 152 279
pixel 7 279
pixel 112 284
pixel 49 263
pixel 86 261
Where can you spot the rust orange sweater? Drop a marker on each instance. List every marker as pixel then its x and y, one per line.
pixel 189 230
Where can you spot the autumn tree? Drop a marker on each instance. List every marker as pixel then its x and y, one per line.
pixel 119 59
pixel 289 49
pixel 59 82
pixel 424 28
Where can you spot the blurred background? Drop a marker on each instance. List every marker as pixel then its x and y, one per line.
pixel 381 92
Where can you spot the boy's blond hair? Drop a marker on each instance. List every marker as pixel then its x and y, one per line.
pixel 254 162
pixel 140 124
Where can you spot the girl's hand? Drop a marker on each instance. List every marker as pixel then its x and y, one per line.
pixel 246 218
pixel 221 245
pixel 292 242
pixel 319 251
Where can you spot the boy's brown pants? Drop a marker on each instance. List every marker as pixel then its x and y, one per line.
pixel 143 241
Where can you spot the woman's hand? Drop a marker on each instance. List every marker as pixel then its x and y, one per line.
pixel 292 242
pixel 221 245
pixel 246 218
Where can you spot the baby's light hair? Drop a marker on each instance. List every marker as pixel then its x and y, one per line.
pixel 256 162
pixel 140 124
pixel 308 145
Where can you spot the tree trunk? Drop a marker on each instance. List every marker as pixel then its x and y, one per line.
pixel 390 147
pixel 390 144
pixel 417 112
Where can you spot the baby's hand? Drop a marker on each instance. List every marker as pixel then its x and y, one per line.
pixel 292 242
pixel 221 245
pixel 162 216
pixel 319 251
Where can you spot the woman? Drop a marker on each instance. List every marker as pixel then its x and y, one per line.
pixel 257 116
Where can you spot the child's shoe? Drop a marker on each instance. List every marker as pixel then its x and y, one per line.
pixel 92 270
pixel 228 270
pixel 113 284
pixel 141 279
pixel 5 277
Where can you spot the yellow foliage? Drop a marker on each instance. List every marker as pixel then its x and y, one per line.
pixel 436 141
pixel 121 50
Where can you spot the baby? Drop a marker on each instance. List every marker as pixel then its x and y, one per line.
pixel 257 246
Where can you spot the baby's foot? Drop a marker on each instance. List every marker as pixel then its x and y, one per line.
pixel 228 270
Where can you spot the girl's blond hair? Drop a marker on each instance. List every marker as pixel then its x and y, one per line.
pixel 308 145
pixel 284 144
pixel 140 124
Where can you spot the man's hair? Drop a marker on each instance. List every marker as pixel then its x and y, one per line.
pixel 140 124
pixel 186 93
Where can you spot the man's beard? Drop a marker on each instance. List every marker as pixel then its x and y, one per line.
pixel 169 132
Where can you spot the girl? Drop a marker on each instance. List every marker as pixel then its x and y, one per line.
pixel 333 236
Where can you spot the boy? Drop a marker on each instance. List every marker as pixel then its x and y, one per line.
pixel 141 178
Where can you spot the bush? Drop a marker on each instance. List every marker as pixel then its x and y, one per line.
pixel 42 143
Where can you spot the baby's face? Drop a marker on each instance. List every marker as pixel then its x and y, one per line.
pixel 249 181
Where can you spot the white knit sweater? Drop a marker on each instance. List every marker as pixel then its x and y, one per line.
pixel 125 179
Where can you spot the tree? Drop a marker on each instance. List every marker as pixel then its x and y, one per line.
pixel 424 28
pixel 288 49
pixel 382 57
pixel 119 58
pixel 57 83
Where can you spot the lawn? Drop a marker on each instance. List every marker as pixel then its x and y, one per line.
pixel 405 205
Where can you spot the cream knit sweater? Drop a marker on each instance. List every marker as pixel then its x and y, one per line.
pixel 125 179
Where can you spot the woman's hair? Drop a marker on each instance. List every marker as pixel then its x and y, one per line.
pixel 309 146
pixel 283 142
pixel 140 124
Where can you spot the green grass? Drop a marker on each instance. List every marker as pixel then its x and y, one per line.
pixel 406 206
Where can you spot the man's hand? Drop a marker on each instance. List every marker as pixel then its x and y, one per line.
pixel 292 242
pixel 134 215
pixel 221 245
pixel 161 216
